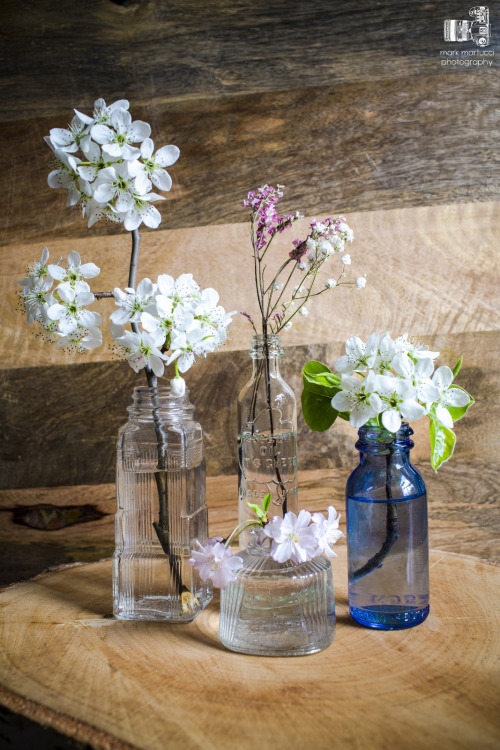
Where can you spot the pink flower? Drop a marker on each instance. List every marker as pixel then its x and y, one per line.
pixel 214 561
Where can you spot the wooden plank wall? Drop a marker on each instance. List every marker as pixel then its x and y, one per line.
pixel 347 104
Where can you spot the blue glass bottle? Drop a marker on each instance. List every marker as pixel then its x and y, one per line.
pixel 387 539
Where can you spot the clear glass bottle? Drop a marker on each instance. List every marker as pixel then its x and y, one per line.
pixel 267 437
pixel 277 609
pixel 161 510
pixel 387 538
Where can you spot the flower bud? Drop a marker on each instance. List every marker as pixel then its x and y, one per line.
pixel 178 386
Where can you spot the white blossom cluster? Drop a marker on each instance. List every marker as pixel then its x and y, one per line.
pixel 175 316
pixel 61 310
pixel 107 165
pixel 398 381
pixel 296 538
pixel 169 315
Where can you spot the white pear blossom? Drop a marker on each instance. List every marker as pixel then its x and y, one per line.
pixel 327 531
pixel 359 355
pixel 94 162
pixel 117 184
pixel 293 537
pixel 37 298
pixel 180 288
pixel 386 352
pixel 418 374
pixel 142 351
pixel 132 303
pixel 74 273
pixel 399 400
pixel 70 139
pixel 414 348
pixel 37 270
pixel 70 312
pixel 82 339
pixel 186 345
pixel 358 397
pixel 142 212
pixel 153 165
pixel 214 561
pixel 117 140
pixel 66 176
pixel 102 112
pixel 449 395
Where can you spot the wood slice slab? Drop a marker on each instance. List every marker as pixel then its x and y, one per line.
pixel 68 664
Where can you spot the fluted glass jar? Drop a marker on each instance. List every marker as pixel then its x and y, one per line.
pixel 387 537
pixel 267 435
pixel 161 510
pixel 277 609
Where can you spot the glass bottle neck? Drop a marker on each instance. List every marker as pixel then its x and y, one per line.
pixel 266 353
pixel 376 443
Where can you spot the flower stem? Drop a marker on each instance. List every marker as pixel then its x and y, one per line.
pixel 391 530
pixel 162 526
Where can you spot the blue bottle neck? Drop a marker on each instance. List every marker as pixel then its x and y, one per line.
pixel 377 445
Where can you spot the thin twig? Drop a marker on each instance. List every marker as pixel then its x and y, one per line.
pixel 391 530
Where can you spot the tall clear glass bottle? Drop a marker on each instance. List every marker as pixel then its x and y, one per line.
pixel 387 538
pixel 161 510
pixel 267 437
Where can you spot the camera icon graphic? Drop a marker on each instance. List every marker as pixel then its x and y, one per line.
pixel 478 30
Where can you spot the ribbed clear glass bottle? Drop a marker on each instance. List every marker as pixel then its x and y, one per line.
pixel 267 435
pixel 387 537
pixel 161 510
pixel 277 609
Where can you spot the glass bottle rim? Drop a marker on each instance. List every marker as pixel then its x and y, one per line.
pixel 159 399
pixel 273 341
pixel 373 436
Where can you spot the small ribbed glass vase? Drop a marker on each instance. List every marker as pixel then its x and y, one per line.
pixel 277 609
pixel 387 537
pixel 267 435
pixel 161 510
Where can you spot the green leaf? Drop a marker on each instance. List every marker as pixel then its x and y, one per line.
pixel 318 411
pixel 457 412
pixel 442 443
pixel 322 383
pixel 457 367
pixel 266 502
pixel 259 512
pixel 313 367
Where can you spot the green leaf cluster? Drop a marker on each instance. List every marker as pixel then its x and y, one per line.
pixel 261 510
pixel 320 386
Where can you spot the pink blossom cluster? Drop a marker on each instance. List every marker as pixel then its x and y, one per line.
pixel 263 203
